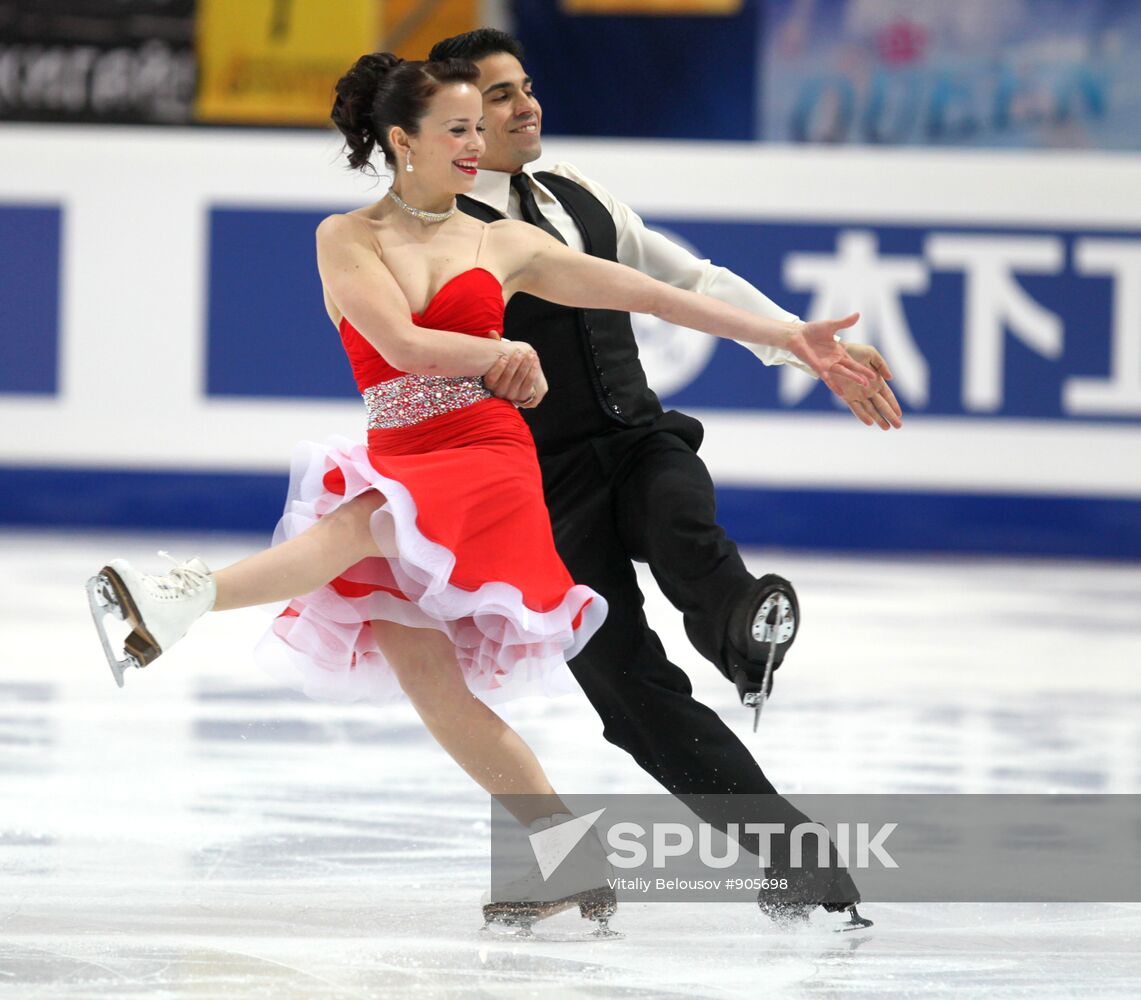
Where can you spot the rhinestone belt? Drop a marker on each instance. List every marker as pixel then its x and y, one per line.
pixel 412 399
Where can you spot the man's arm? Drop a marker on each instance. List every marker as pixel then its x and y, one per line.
pixel 654 254
pixel 542 266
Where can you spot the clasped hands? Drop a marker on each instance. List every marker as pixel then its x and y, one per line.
pixel 857 373
pixel 516 375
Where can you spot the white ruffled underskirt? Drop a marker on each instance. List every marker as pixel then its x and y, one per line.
pixel 328 651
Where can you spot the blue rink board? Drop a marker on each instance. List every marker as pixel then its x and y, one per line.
pixel 30 247
pixel 921 332
pixel 801 519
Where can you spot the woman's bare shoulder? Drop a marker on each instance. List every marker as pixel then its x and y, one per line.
pixel 349 228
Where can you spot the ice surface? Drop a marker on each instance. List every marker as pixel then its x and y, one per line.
pixel 202 833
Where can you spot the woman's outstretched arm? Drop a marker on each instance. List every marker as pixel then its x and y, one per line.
pixel 542 266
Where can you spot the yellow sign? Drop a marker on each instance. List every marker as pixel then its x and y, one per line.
pixel 412 27
pixel 276 62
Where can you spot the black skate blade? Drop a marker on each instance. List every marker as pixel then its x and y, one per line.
pixel 543 933
pixel 513 931
pixel 755 698
pixel 102 602
pixel 532 921
pixel 854 922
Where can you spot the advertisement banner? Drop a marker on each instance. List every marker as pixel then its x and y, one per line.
pixel 85 61
pixel 703 8
pixel 1006 299
pixel 978 321
pixel 277 61
pixel 1012 73
pixel 689 71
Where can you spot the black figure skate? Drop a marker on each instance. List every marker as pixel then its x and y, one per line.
pixel 789 915
pixel 517 917
pixel 761 630
pixel 804 888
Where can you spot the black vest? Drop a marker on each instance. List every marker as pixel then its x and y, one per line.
pixel 589 356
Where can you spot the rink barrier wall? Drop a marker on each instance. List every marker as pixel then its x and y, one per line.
pixel 863 521
pixel 163 344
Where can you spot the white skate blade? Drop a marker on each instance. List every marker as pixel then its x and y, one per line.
pixel 102 601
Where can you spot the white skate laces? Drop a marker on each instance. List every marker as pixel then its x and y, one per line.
pixel 184 579
pixel 159 609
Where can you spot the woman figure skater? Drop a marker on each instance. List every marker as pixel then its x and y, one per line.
pixel 424 562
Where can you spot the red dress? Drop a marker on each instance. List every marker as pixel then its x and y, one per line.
pixel 464 528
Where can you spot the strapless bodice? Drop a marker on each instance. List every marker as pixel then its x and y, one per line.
pixel 469 303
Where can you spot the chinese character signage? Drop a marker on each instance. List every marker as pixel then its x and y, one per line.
pixel 975 322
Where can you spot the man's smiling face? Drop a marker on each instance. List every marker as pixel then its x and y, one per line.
pixel 511 115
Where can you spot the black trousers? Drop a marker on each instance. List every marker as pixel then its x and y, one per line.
pixel 642 494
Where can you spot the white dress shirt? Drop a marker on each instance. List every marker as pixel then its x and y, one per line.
pixel 642 249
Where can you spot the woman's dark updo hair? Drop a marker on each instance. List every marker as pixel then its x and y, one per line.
pixel 381 91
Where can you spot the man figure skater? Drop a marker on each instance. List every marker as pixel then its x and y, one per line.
pixel 623 481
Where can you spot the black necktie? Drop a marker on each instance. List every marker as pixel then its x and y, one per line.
pixel 529 208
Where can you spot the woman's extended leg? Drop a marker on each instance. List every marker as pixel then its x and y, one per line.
pixel 424 662
pixel 302 564
pixel 159 609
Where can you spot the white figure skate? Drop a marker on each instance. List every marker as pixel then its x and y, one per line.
pixel 159 609
pixel 580 880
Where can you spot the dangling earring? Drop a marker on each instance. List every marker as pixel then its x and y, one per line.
pixel 408 162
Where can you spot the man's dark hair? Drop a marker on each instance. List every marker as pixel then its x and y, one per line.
pixel 476 45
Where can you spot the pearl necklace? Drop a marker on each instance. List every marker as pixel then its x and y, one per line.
pixel 420 213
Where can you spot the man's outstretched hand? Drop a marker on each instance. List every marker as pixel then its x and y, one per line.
pixel 818 345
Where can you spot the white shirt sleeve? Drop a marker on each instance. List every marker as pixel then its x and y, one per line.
pixel 661 258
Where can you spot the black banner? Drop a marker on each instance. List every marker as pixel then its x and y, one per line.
pixel 128 61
